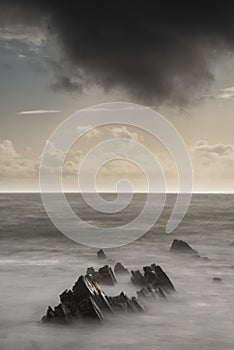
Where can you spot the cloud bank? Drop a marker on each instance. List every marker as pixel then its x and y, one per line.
pixel 213 167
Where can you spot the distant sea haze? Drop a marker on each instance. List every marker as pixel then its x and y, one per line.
pixel 38 263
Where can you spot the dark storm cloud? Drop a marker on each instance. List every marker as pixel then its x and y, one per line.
pixel 156 51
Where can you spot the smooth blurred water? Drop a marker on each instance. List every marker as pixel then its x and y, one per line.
pixel 37 263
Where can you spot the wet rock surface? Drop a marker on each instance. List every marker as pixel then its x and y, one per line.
pixel 87 301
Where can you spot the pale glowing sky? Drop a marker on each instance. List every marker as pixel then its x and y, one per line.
pixel 30 110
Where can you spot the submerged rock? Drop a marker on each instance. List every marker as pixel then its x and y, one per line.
pixel 150 294
pixel 205 258
pixel 101 254
pixel 182 247
pixel 120 269
pixel 217 280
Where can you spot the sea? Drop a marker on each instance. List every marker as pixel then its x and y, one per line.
pixel 38 262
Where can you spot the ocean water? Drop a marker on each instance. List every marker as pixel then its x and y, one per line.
pixel 37 263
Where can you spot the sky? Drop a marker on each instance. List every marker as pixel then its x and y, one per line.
pixel 174 58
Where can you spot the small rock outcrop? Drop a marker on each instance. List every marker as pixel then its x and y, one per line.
pixel 179 246
pixel 217 280
pixel 101 254
pixel 205 258
pixel 119 269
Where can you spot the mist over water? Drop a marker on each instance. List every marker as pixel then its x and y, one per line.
pixel 37 263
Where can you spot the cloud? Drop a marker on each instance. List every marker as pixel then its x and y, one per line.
pixel 124 132
pixel 153 51
pixel 90 131
pixel 222 94
pixel 226 94
pixel 39 111
pixel 110 132
pixel 53 155
pixel 65 83
pixel 213 166
pixel 15 165
pixel 32 35
pixel 219 149
pixel 214 162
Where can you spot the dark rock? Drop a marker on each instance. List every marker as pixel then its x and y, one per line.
pixel 196 256
pixel 49 315
pixel 161 279
pixel 60 314
pixel 68 299
pixel 107 276
pixel 137 304
pixel 149 293
pixel 88 308
pixel 85 288
pixel 137 278
pixel 153 276
pixel 232 244
pixel 161 293
pixel 146 292
pixel 90 270
pixel 217 280
pixel 122 303
pixel 86 299
pixel 205 258
pixel 182 247
pixel 120 269
pixel 101 254
pixel 104 275
pixel 92 274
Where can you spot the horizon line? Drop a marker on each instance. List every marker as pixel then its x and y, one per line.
pixel 112 192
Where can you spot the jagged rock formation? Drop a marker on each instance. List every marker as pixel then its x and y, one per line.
pixel 179 246
pixel 122 302
pixel 104 275
pixel 86 299
pixel 119 269
pixel 154 280
pixel 101 254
